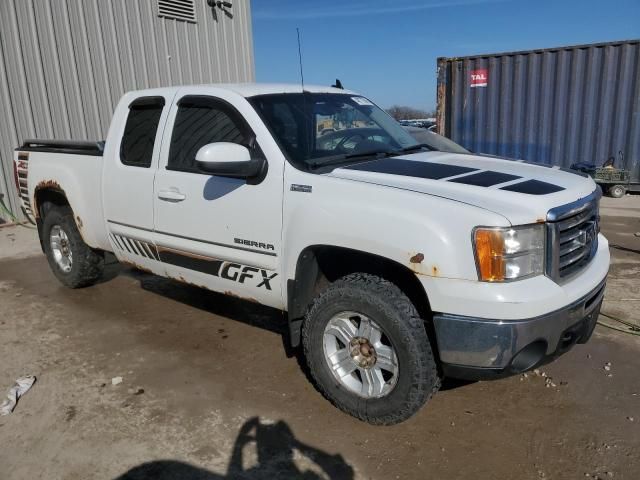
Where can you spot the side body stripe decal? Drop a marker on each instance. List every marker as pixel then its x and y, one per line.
pixel 134 247
pixel 231 271
pixel 227 245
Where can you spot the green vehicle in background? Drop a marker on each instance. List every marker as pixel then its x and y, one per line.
pixel 615 182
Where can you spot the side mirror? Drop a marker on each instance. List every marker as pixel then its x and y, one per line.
pixel 227 159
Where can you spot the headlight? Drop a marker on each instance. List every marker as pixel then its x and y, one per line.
pixel 509 253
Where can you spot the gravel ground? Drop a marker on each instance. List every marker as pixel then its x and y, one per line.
pixel 208 390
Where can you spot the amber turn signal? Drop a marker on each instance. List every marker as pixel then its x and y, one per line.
pixel 489 254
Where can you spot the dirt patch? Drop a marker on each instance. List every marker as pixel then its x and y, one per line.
pixel 222 399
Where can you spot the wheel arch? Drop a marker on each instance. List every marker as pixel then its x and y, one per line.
pixel 50 193
pixel 319 265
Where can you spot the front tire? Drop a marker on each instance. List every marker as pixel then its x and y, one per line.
pixel 368 351
pixel 71 260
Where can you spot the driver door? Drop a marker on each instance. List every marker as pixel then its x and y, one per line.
pixel 216 232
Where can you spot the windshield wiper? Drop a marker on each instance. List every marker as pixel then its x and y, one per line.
pixel 345 158
pixel 376 154
pixel 419 146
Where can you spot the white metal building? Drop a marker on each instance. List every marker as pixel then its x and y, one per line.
pixel 65 63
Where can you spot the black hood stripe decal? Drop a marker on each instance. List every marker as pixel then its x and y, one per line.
pixel 533 187
pixel 485 179
pixel 410 168
pixel 464 175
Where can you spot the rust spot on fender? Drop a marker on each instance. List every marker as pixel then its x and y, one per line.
pixel 44 185
pixel 417 258
pixel 48 184
pixel 434 271
pixel 540 220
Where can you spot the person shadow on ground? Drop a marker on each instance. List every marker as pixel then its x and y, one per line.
pixel 276 450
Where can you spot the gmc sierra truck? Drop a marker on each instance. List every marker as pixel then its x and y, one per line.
pixel 397 264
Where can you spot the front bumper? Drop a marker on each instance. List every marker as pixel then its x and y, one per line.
pixel 480 348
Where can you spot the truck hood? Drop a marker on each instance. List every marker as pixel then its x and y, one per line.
pixel 522 192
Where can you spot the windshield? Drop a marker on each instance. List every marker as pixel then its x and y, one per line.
pixel 316 129
pixel 438 142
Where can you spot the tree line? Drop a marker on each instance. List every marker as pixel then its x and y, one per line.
pixel 401 112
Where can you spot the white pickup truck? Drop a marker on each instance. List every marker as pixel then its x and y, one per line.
pixel 397 263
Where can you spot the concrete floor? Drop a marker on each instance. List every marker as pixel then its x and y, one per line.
pixel 221 398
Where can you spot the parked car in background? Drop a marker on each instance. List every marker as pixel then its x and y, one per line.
pixel 418 123
pixel 397 260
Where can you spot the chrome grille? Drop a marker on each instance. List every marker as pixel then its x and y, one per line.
pixel 572 237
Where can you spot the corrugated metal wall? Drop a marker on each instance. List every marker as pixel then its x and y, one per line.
pixel 64 64
pixel 553 106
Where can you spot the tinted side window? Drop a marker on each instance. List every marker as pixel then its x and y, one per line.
pixel 198 123
pixel 140 130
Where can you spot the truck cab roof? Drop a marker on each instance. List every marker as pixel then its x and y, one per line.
pixel 250 89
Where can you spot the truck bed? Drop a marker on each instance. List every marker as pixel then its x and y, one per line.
pixel 72 147
pixel 69 168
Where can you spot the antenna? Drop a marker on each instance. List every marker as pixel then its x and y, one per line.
pixel 300 59
pixel 309 130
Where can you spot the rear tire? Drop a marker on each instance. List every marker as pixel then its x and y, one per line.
pixel 71 260
pixel 401 335
pixel 617 191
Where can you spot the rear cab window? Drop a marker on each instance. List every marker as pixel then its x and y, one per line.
pixel 138 139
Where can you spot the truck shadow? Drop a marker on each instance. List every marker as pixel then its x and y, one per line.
pixel 260 451
pixel 112 268
pixel 228 306
pixel 236 309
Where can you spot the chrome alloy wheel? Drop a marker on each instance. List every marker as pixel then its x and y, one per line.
pixel 359 355
pixel 61 248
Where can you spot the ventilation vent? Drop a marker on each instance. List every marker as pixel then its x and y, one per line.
pixel 177 9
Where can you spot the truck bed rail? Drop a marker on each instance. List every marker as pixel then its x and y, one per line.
pixel 71 147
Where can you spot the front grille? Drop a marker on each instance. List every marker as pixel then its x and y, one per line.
pixel 572 237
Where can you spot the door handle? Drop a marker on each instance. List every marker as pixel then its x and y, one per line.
pixel 171 195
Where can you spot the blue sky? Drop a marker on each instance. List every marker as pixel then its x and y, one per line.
pixel 387 49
